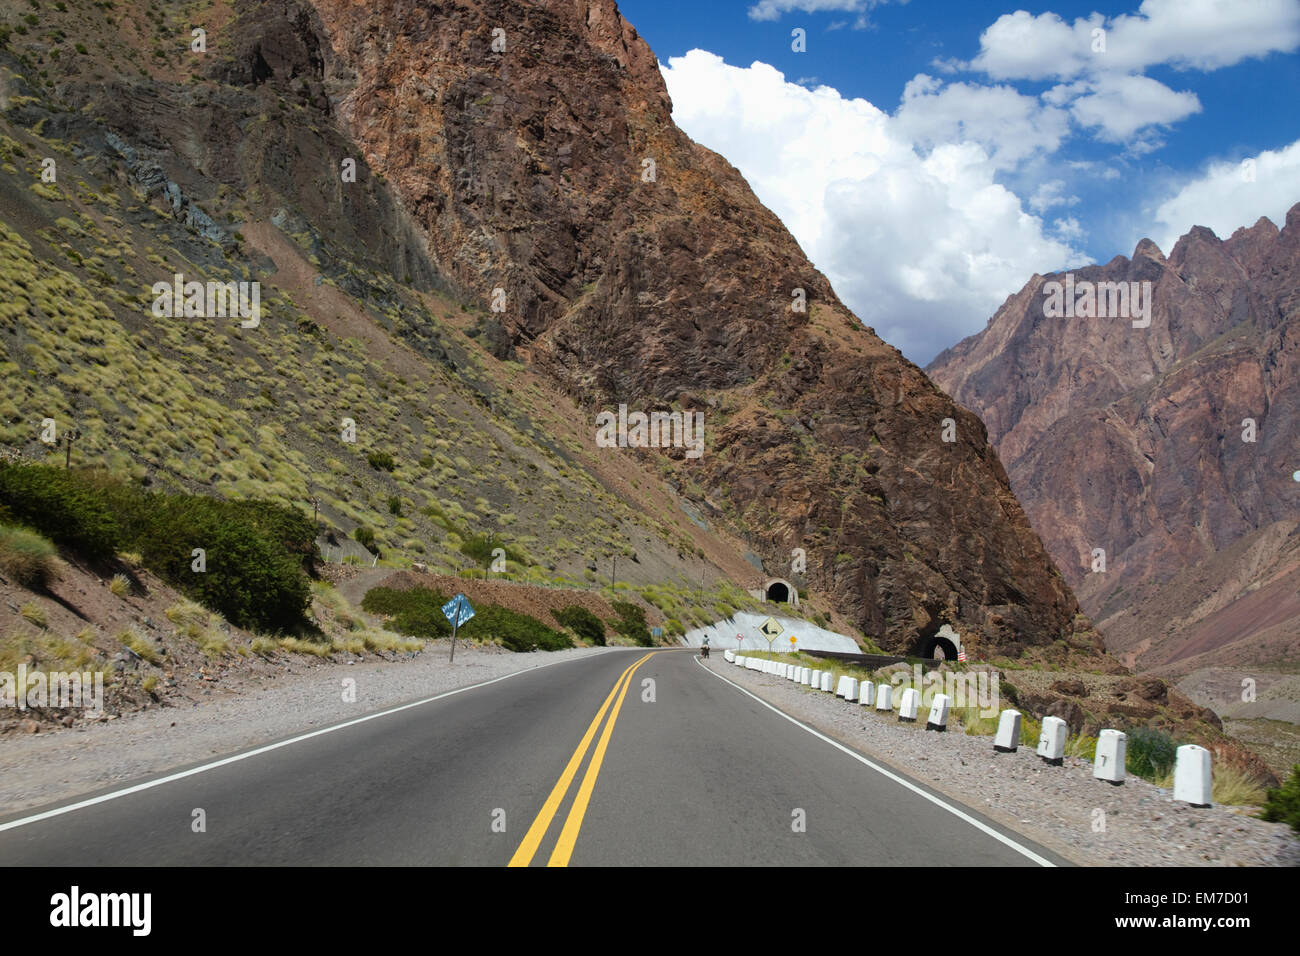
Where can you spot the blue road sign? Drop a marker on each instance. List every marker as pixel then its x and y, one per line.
pixel 458 610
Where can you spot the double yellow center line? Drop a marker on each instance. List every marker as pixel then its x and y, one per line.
pixel 569 835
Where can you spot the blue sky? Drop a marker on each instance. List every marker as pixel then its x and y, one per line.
pixel 930 156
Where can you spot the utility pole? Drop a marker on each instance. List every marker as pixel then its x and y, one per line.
pixel 315 506
pixel 71 436
pixel 612 571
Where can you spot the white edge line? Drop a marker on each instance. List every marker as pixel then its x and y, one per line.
pixel 148 785
pixel 892 776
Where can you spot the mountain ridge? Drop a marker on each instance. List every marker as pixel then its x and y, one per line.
pixel 1164 447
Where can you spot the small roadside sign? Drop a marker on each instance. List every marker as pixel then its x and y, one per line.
pixel 771 630
pixel 458 610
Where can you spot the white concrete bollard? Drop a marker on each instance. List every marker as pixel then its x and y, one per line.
pixel 1112 751
pixel 1192 775
pixel 795 671
pixel 847 687
pixel 805 676
pixel 938 719
pixel 1051 740
pixel 866 693
pixel 827 677
pixel 1008 737
pixel 885 697
pixel 730 656
pixel 739 660
pixel 908 704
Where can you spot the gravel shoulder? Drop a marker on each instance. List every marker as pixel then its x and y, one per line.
pixel 1063 808
pixel 49 767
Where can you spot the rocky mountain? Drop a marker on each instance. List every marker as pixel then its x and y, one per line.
pixel 1169 446
pixel 379 163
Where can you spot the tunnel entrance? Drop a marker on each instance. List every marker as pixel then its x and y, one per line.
pixel 937 642
pixel 940 647
pixel 778 591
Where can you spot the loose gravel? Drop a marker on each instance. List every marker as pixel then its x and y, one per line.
pixel 1063 808
pixel 50 767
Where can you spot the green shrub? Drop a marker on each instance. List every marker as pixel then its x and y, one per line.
pixel 287 528
pixel 381 460
pixel 365 536
pixel 516 631
pixel 257 552
pixel 250 578
pixel 1151 753
pixel 417 612
pixel 60 504
pixel 1283 803
pixel 583 623
pixel 480 547
pixel 395 505
pixel 631 623
pixel 27 558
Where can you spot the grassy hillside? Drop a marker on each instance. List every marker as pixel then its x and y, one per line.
pixel 443 454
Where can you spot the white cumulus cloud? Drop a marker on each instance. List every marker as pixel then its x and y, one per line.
pixel 1228 195
pixel 773 9
pixel 1119 106
pixel 1009 125
pixel 922 247
pixel 1100 61
pixel 1186 34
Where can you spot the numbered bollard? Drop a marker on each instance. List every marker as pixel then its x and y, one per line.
pixel 1007 740
pixel 1051 741
pixel 939 713
pixel 908 704
pixel 1112 751
pixel 1193 781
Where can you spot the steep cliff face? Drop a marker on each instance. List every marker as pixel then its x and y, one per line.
pixel 535 145
pixel 527 148
pixel 1169 447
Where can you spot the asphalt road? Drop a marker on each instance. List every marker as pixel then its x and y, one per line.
pixel 579 763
